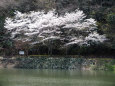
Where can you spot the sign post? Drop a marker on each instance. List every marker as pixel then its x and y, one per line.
pixel 21 52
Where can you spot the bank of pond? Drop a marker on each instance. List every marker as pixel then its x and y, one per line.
pixel 44 62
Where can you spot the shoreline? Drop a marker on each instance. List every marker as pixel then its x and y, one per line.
pixel 58 63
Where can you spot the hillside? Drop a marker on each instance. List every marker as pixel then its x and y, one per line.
pixel 103 11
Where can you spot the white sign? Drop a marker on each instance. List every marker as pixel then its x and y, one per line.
pixel 21 52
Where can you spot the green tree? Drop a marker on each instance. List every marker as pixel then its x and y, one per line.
pixel 111 18
pixel 5 41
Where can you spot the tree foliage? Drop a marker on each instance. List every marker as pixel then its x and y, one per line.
pixel 70 28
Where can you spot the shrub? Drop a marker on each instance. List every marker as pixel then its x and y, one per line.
pixel 111 18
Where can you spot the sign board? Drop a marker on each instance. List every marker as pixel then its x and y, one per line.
pixel 21 52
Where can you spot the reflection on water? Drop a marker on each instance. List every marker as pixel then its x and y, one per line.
pixel 17 77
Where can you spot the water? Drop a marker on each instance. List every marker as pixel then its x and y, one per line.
pixel 17 77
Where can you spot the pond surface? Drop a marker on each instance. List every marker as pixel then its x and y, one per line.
pixel 19 77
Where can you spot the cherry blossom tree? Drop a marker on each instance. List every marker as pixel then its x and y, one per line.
pixel 42 27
